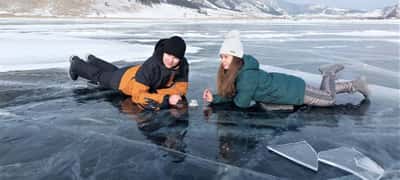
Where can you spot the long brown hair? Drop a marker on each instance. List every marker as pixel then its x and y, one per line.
pixel 226 78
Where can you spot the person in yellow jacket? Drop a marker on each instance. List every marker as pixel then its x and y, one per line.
pixel 158 83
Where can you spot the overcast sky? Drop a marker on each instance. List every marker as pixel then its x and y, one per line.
pixel 353 4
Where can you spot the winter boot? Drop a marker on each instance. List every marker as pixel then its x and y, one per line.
pixel 331 68
pixel 359 85
pixel 83 69
pixel 90 58
pixel 72 74
pixel 100 63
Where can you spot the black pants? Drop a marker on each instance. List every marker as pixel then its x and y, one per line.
pixel 105 74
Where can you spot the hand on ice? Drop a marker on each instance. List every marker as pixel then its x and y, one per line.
pixel 207 96
pixel 174 99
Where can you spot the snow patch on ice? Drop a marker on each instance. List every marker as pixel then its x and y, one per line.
pixel 27 51
pixel 4 113
pixel 271 35
pixel 277 34
pixel 330 47
pixel 89 119
pixel 22 48
pixel 95 33
pixel 368 33
pixel 200 35
pixel 193 50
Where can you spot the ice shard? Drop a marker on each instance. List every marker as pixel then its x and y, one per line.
pixel 300 152
pixel 352 161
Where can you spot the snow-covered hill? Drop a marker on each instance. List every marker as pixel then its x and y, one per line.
pixel 181 9
pixel 392 12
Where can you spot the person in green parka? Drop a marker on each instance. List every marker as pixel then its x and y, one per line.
pixel 241 81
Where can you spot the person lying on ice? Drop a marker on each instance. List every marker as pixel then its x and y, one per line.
pixel 158 83
pixel 240 81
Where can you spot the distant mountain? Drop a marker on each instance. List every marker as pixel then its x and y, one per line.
pixel 183 9
pixel 391 12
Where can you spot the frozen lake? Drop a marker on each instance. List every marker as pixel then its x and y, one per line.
pixel 53 128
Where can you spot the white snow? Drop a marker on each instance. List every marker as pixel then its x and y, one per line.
pixel 370 14
pixel 165 10
pixel 157 11
pixel 367 33
pixel 330 47
pixel 126 9
pixel 200 35
pixel 37 51
pixel 4 113
pixel 270 35
pixel 33 51
pixel 280 35
pixel 95 33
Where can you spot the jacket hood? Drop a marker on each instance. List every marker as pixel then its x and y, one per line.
pixel 159 48
pixel 250 63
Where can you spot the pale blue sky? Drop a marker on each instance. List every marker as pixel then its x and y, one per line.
pixel 353 4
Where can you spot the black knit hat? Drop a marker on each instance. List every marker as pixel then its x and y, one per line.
pixel 176 46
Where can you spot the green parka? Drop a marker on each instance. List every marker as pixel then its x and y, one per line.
pixel 252 83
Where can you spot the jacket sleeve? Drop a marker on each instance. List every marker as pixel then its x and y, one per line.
pixel 245 89
pixel 179 88
pixel 140 94
pixel 217 99
pixel 242 100
pixel 140 90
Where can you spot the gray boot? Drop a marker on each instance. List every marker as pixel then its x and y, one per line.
pixel 330 68
pixel 359 85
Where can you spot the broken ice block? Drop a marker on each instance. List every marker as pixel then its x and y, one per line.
pixel 299 152
pixel 352 161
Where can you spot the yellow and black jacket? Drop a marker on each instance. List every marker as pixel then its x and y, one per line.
pixel 152 81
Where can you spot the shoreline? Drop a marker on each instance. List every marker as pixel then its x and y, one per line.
pixel 272 18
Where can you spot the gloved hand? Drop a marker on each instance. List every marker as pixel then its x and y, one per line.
pixel 152 105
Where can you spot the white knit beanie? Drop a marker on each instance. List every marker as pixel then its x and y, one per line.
pixel 232 44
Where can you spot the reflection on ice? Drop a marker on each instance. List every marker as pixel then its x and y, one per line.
pixel 299 152
pixel 71 154
pixel 352 161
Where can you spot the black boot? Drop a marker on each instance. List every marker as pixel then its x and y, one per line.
pixel 90 58
pixel 72 74
pixel 100 63
pixel 85 70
